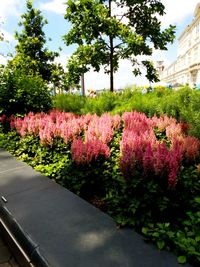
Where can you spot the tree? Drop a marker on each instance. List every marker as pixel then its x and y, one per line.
pixel 31 53
pixel 58 79
pixel 104 36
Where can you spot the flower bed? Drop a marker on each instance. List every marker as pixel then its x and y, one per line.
pixel 141 170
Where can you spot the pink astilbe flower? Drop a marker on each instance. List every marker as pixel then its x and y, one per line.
pixel 140 149
pixel 70 129
pixel 127 161
pixel 148 160
pixel 162 122
pixel 102 128
pixel 136 121
pixel 132 149
pixel 160 159
pixel 16 123
pixel 47 133
pixel 173 165
pixel 85 153
pixel 167 163
pixel 138 134
pixel 116 121
pixel 191 147
pixel 174 130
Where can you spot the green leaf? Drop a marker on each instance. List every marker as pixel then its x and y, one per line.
pixel 160 244
pixel 197 200
pixel 182 259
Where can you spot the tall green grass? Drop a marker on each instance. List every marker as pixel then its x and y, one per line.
pixel 69 102
pixel 183 104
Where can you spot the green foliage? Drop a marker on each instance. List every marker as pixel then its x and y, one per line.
pixel 182 233
pixel 21 93
pixel 103 38
pixel 49 160
pixel 168 217
pixel 31 54
pixel 9 140
pixel 182 104
pixel 104 102
pixel 58 78
pixel 69 102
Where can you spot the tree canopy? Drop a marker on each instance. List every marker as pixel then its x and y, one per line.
pixel 107 31
pixel 31 54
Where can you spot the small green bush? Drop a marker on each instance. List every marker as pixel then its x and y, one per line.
pixel 69 102
pixel 104 102
pixel 21 93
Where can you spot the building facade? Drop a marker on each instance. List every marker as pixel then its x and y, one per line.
pixel 186 69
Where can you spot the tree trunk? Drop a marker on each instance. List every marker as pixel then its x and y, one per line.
pixel 111 55
pixel 82 85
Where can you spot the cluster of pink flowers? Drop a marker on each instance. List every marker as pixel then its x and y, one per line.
pixel 85 153
pixel 142 152
pixel 48 126
pixel 102 128
pixel 96 131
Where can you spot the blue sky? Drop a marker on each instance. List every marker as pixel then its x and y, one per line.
pixel 178 12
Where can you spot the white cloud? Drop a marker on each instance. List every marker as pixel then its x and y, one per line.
pixel 8 36
pixel 3 60
pixel 159 55
pixel 10 8
pixel 177 11
pixel 56 6
pixel 62 59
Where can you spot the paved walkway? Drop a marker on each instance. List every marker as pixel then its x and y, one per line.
pixel 6 259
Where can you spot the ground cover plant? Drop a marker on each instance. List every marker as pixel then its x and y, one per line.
pixel 142 171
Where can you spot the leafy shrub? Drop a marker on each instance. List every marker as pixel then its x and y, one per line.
pixel 182 233
pixel 69 103
pixel 20 93
pixel 104 102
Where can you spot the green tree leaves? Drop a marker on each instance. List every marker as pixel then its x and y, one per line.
pixel 104 37
pixel 31 53
pixel 21 93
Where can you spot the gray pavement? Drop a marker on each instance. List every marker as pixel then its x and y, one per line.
pixel 56 228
